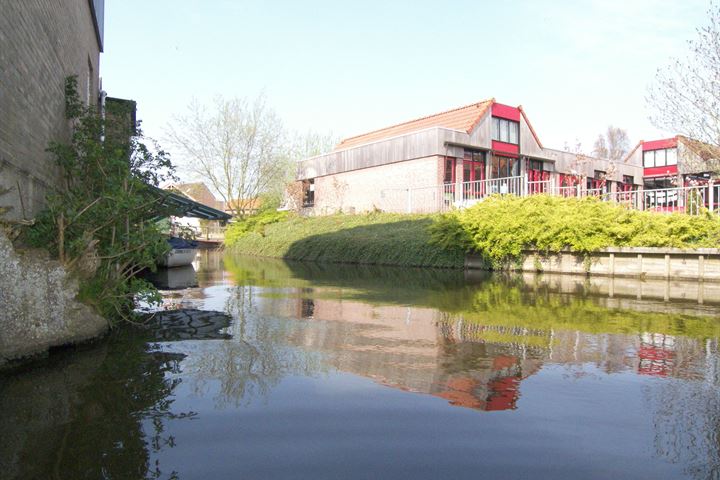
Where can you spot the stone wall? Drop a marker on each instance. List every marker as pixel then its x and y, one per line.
pixel 38 309
pixel 42 42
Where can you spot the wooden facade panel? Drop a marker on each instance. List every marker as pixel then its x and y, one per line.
pixel 415 145
pixel 528 144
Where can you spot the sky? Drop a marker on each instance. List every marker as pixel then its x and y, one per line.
pixel 351 67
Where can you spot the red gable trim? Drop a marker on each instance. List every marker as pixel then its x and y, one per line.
pixel 505 111
pixel 660 144
pixel 660 171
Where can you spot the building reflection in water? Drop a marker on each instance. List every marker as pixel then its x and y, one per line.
pixel 472 345
pixel 465 362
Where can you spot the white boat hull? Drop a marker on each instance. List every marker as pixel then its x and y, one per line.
pixel 178 257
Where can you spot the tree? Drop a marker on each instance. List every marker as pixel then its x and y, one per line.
pixel 240 147
pixel 685 96
pixel 312 144
pixel 614 144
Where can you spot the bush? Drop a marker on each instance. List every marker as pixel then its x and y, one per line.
pixel 253 224
pixel 501 228
pixel 102 224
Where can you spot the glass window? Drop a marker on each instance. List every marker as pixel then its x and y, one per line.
pixel 672 156
pixel 466 171
pixel 513 132
pixel 449 170
pixel 309 193
pixel 659 158
pixel 505 130
pixel 649 159
pixel 502 167
pixel 478 171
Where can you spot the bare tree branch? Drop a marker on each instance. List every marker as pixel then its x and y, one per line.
pixel 239 147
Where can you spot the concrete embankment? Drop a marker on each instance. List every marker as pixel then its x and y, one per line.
pixel 699 264
pixel 38 306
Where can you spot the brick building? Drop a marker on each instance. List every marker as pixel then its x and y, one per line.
pixel 41 43
pixel 453 158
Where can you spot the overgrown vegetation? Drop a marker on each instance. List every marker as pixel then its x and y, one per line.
pixel 253 224
pixel 376 238
pixel 101 225
pixel 501 228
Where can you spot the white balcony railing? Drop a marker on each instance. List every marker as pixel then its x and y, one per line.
pixel 691 200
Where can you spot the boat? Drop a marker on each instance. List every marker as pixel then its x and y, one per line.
pixel 182 253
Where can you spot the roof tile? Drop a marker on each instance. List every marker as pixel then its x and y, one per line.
pixel 462 118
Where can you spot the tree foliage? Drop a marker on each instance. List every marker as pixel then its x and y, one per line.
pixel 685 96
pixel 239 146
pixel 101 225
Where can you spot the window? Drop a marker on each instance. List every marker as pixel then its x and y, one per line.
pixel 505 130
pixel 449 174
pixel 309 193
pixel 535 165
pixel 502 167
pixel 660 158
pixel 649 159
pixel 672 156
pixel 657 183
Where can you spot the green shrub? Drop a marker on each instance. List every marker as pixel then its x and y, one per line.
pixel 102 224
pixel 255 223
pixel 501 228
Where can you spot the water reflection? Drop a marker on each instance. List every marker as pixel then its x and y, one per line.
pixel 288 374
pixel 474 344
pixel 100 411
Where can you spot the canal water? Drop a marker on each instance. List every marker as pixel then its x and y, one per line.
pixel 286 370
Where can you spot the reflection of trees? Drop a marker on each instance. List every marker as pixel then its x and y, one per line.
pixel 503 300
pixel 686 417
pixel 85 416
pixel 255 360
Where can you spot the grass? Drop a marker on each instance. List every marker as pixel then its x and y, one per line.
pixel 371 239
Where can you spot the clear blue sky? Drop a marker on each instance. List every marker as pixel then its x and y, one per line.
pixel 350 67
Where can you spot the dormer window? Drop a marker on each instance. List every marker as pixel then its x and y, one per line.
pixel 660 158
pixel 504 130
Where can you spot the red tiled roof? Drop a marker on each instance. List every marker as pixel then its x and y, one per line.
pixel 462 118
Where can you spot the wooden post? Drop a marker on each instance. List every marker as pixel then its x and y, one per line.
pixel 711 195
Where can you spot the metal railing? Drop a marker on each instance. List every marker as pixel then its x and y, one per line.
pixel 212 233
pixel 692 200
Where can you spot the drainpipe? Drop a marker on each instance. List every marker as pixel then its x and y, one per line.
pixel 103 96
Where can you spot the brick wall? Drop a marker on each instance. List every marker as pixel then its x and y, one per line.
pixel 41 43
pixel 376 187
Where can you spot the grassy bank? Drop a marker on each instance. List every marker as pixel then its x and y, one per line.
pixel 498 228
pixel 376 238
